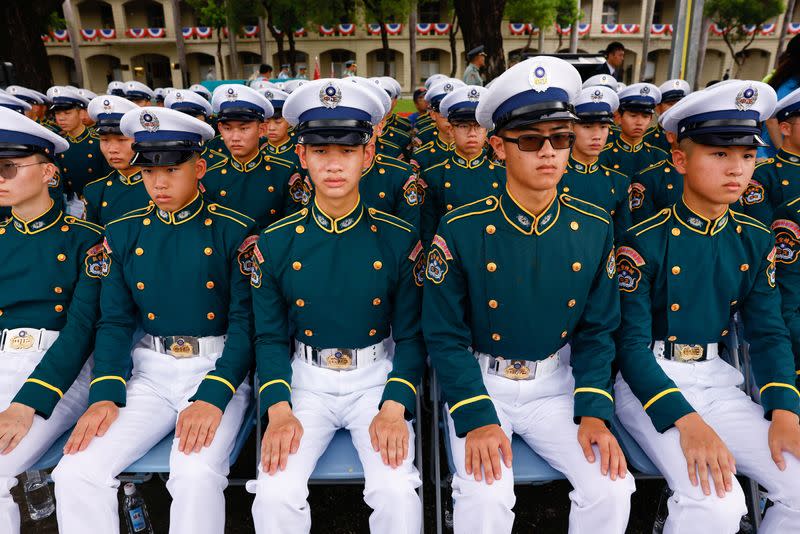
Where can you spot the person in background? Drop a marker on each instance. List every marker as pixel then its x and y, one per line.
pixel 615 57
pixel 419 104
pixel 784 79
pixel 351 69
pixel 477 59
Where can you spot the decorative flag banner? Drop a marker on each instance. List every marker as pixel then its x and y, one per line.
pixel 89 34
pixel 583 28
pixel 250 31
pixel 629 28
pixel 60 35
pixel 156 33
pixel 187 31
pixel 533 29
pixel 424 28
pixel 441 28
pixel 45 38
pixel 518 28
pixel 716 30
pixel 749 29
pixel 225 31
pixel 108 33
pixel 346 29
pixel 394 28
pixel 203 32
pixel 300 32
pixel 373 29
pixel 767 29
pixel 609 28
pixel 794 28
pixel 661 29
pixel 326 30
pixel 564 30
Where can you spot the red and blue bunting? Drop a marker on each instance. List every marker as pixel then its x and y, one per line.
pixel 203 32
pixel 424 28
pixel 394 28
pixel 187 31
pixel 441 28
pixel 373 29
pixel 346 29
pixel 520 28
pixel 108 33
pixel 661 29
pixel 250 31
pixel 609 28
pixel 793 28
pixel 60 35
pixel 629 28
pixel 300 32
pixel 326 30
pixel 89 34
pixel 767 29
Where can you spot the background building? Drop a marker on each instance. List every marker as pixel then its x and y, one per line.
pixel 134 39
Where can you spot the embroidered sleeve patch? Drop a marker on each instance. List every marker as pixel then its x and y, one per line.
pixel 418 258
pixel 753 194
pixel 787 241
pixel 97 261
pixel 300 189
pixel 437 266
pixel 106 246
pixel 611 264
pixel 410 191
pixel 257 253
pixel 255 275
pixel 770 272
pixel 628 273
pixel 246 255
pixel 635 196
pixel 422 186
pixel 440 242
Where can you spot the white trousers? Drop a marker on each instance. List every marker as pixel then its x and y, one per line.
pixel 159 389
pixel 15 368
pixel 325 401
pixel 711 387
pixel 541 412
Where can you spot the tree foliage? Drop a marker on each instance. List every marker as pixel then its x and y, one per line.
pixel 214 14
pixel 383 11
pixel 733 15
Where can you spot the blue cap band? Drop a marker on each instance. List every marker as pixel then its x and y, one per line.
pixel 339 112
pixel 691 126
pixel 189 106
pixel 166 135
pixel 19 138
pixel 593 107
pixel 553 94
pixel 784 113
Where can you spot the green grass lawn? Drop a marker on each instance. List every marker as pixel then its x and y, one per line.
pixel 405 105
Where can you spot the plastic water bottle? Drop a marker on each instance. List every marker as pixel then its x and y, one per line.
pixel 38 495
pixel 136 516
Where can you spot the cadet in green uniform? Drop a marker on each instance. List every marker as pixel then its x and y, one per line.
pixel 514 281
pixel 683 274
pixel 249 180
pixel 786 228
pixel 434 151
pixel 340 253
pixel 122 190
pixel 777 180
pixel 628 153
pixel 476 58
pixel 83 162
pixel 434 97
pixel 468 174
pixel 584 177
pixel 672 91
pixel 180 269
pixel 48 306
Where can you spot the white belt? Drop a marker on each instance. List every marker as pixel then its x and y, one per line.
pixel 180 347
pixel 518 369
pixel 685 353
pixel 340 359
pixel 27 339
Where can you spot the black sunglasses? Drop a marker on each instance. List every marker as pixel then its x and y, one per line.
pixel 535 142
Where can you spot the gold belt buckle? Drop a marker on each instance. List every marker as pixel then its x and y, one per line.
pixel 22 340
pixel 341 359
pixel 517 370
pixel 688 353
pixel 182 346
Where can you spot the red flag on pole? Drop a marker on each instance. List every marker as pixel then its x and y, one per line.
pixel 317 75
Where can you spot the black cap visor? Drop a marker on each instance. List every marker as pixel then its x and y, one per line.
pixel 164 154
pixel 64 106
pixel 239 114
pixel 711 139
pixel 107 127
pixel 334 132
pixel 12 150
pixel 589 118
pixel 637 107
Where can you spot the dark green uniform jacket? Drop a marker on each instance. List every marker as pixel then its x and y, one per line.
pixel 113 196
pixel 786 228
pixel 653 189
pixel 348 282
pixel 82 162
pixel 507 283
pixel 682 277
pixel 775 181
pixel 630 159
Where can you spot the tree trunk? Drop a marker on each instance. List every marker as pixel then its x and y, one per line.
pixel 385 47
pixel 541 41
pixel 292 52
pixel 74 41
pixel 527 46
pixel 262 39
pixel 481 24
pixel 178 29
pixel 233 52
pixel 787 18
pixel 412 44
pixel 573 34
pixel 453 53
pixel 221 72
pixel 278 40
pixel 24 47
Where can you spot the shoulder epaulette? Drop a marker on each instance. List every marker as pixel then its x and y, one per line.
pixel 390 219
pixel 139 212
pixel 484 205
pixel 653 166
pixel 749 221
pixel 269 158
pixel 396 164
pixel 385 142
pixel 587 208
pixel 608 145
pixel 289 219
pixel 793 202
pixel 767 161
pixel 615 171
pixel 654 147
pixel 651 222
pixel 222 211
pixel 223 160
pixel 394 160
pixel 426 146
pixel 440 164
pixel 93 133
pixel 427 127
pixel 106 177
pixel 69 219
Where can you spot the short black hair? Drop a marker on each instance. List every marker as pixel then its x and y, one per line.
pixel 264 68
pixel 614 46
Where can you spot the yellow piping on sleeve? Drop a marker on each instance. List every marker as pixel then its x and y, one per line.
pixel 470 400
pixel 46 385
pixel 219 379
pixel 594 390
pixel 662 394
pixel 273 382
pixel 406 382
pixel 101 378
